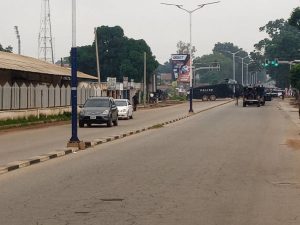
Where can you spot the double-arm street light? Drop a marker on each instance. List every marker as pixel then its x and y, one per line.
pixel 247 69
pixel 190 12
pixel 233 63
pixel 242 58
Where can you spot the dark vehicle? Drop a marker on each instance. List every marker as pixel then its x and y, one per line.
pixel 253 96
pixel 98 110
pixel 268 96
pixel 212 92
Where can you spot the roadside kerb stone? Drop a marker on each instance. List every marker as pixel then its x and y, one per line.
pixel 34 160
pixel 89 144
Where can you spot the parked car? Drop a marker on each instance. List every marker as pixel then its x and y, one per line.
pixel 99 110
pixel 125 109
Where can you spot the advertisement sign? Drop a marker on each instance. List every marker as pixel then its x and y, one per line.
pixel 181 67
pixel 111 83
pixel 125 83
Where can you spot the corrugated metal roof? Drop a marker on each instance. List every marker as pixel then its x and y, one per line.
pixel 10 61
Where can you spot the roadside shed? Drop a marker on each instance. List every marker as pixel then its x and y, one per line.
pixel 18 68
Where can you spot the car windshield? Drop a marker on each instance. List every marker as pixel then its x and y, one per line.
pixel 121 103
pixel 97 103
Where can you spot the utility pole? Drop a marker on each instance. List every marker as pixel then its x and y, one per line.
pixel 145 79
pixel 97 57
pixel 19 39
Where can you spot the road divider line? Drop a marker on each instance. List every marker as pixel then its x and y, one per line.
pixel 90 144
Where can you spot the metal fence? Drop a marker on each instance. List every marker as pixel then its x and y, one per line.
pixel 15 97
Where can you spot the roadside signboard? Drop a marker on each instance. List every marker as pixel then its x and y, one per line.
pixel 181 67
pixel 125 83
pixel 111 83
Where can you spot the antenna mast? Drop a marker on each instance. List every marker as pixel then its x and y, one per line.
pixel 45 41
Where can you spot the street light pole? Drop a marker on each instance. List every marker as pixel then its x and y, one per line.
pixel 247 73
pixel 190 47
pixel 243 67
pixel 74 139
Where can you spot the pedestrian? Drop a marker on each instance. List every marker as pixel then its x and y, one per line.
pixel 135 101
pixel 237 96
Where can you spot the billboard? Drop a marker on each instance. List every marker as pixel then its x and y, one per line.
pixel 181 67
pixel 111 83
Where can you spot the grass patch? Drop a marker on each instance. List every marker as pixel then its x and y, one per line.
pixel 157 126
pixel 34 119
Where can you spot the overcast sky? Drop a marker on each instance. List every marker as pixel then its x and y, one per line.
pixel 161 26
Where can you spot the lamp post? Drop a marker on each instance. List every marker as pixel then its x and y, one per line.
pixel 74 141
pixel 247 69
pixel 190 12
pixel 242 58
pixel 233 65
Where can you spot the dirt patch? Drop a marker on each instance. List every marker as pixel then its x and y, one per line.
pixel 293 143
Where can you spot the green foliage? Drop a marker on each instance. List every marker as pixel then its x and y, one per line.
pixel 227 47
pixel 295 76
pixel 283 43
pixel 294 20
pixel 7 49
pixel 34 120
pixel 118 56
pixel 166 68
pixel 86 60
pixel 213 76
pixel 222 55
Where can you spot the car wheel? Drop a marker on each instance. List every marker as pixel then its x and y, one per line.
pixel 109 122
pixel 204 98
pixel 81 124
pixel 244 104
pixel 116 122
pixel 212 98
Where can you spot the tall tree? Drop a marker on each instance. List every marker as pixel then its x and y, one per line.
pixel 118 56
pixel 283 43
pixel 294 20
pixel 295 76
pixel 213 76
pixel 183 48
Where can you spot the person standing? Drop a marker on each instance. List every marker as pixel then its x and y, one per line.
pixel 135 101
pixel 237 96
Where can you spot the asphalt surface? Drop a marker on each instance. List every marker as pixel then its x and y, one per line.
pixel 21 145
pixel 229 165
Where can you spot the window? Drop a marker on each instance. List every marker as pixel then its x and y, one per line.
pixel 94 102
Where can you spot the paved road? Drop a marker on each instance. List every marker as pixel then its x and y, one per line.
pixel 229 165
pixel 25 144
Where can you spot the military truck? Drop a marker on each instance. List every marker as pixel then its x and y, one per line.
pixel 212 92
pixel 253 96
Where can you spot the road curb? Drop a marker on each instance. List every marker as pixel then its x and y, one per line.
pixel 90 144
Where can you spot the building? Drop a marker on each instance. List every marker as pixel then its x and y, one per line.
pixel 23 69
